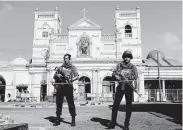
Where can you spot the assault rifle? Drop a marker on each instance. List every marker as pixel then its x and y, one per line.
pixel 62 77
pixel 125 81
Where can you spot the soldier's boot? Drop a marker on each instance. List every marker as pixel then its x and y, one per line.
pixel 126 125
pixel 57 121
pixel 111 125
pixel 73 123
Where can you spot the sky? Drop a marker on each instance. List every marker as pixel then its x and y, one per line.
pixel 161 24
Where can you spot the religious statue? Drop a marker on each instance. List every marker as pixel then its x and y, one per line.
pixel 84 46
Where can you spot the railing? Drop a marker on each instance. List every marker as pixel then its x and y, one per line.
pixel 151 95
pixel 128 35
pixel 171 95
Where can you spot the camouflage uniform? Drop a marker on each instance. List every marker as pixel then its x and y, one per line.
pixel 130 73
pixel 65 89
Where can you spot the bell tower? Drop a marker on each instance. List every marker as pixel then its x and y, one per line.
pixel 45 23
pixel 128 33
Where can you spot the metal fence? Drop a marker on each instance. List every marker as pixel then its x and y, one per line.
pixel 171 95
pixel 152 95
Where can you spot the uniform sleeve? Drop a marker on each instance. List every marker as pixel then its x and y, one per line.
pixel 115 70
pixel 135 72
pixel 75 71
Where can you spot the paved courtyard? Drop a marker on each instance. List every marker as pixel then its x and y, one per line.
pixel 88 118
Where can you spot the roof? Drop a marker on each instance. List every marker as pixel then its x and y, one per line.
pixel 85 23
pixel 153 54
pixel 162 60
pixel 19 61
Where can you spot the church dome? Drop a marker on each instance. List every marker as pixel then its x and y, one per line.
pixel 153 55
pixel 19 61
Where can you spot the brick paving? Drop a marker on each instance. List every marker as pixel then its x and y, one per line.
pixel 88 118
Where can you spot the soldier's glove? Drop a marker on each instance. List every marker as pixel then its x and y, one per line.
pixel 117 77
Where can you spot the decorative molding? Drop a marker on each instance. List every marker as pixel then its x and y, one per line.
pixel 110 53
pixel 95 36
pixel 125 18
pixel 73 35
pixel 128 14
pixel 40 46
pixel 93 26
pixel 85 74
pixel 108 37
pixel 99 61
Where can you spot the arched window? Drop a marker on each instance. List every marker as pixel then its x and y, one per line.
pixel 45 34
pixel 128 31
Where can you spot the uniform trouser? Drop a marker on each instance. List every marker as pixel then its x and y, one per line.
pixel 118 97
pixel 67 91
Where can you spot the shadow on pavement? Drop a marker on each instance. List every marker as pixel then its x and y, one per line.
pixel 169 111
pixel 52 119
pixel 104 122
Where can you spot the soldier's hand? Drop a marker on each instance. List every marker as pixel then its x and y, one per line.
pixel 70 80
pixel 59 75
pixel 52 81
pixel 117 77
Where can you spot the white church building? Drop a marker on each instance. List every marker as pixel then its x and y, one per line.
pixel 93 53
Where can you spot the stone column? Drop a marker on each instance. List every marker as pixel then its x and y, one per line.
pixel 14 88
pixel 37 86
pixel 50 87
pixel 118 43
pixel 163 94
pixel 141 87
pixel 94 83
pixel 32 84
pixel 99 85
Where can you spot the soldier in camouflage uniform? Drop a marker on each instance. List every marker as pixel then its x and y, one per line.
pixel 65 76
pixel 129 71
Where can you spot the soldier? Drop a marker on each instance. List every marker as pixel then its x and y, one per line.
pixel 128 71
pixel 65 76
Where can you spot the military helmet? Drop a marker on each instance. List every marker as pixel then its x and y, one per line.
pixel 127 53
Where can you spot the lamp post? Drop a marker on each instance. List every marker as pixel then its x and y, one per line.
pixel 159 80
pixel 45 54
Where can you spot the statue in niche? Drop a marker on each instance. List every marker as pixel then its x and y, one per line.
pixel 84 46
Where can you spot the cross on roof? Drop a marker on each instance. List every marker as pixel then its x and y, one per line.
pixel 84 11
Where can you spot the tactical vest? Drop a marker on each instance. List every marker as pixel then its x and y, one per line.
pixel 127 70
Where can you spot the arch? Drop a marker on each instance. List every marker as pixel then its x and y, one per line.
pixel 108 85
pixel 128 29
pixel 45 26
pixel 2 88
pixel 85 74
pixel 128 23
pixel 107 74
pixel 85 86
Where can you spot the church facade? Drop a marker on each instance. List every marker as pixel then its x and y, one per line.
pixel 93 53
